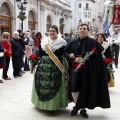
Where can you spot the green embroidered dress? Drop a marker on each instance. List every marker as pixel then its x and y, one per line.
pixel 49 90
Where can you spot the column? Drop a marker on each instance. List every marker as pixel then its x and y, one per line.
pixel 42 20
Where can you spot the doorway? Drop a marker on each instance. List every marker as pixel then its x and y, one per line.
pixel 5 19
pixel 4 24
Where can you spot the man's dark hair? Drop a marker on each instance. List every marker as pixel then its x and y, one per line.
pixel 19 30
pixel 82 24
pixel 66 34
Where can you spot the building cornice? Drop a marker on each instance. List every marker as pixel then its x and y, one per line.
pixel 59 6
pixel 61 1
pixel 67 3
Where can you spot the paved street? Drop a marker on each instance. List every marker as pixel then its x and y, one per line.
pixel 15 102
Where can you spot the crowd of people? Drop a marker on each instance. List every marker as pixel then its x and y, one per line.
pixel 72 68
pixel 19 48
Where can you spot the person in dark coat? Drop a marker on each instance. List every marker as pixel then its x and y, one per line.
pixel 17 54
pixel 21 39
pixel 22 42
pixel 2 58
pixel 66 38
pixel 106 55
pixel 89 84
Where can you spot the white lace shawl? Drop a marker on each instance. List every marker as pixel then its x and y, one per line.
pixel 105 45
pixel 55 45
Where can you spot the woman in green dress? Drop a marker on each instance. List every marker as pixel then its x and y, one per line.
pixel 49 90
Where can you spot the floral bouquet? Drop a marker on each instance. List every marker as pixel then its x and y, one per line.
pixel 108 61
pixel 33 61
pixel 86 57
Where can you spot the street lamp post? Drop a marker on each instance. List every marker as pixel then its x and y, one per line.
pixel 22 5
pixel 62 22
pixel 63 15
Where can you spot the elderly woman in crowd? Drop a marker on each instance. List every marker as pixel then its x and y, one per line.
pixel 8 53
pixel 17 54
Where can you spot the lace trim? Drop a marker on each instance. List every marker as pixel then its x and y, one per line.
pixel 55 45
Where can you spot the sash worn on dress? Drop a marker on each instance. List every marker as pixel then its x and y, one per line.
pixel 56 61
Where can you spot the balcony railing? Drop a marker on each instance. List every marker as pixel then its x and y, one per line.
pixel 89 9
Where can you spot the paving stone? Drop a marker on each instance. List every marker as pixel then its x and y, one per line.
pixel 15 102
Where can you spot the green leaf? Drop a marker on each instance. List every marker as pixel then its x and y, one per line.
pixel 21 17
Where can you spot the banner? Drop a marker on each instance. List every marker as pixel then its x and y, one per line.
pixel 116 15
pixel 106 26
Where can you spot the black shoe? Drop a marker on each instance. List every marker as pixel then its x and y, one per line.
pixel 116 66
pixel 19 75
pixel 1 81
pixel 84 113
pixel 22 72
pixel 15 76
pixel 74 111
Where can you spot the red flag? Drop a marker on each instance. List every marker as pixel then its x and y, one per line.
pixel 116 15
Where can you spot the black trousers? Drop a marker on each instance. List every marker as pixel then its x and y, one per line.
pixel 5 70
pixel 16 72
pixel 76 79
pixel 115 53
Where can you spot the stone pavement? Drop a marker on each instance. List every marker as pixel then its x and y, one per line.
pixel 15 102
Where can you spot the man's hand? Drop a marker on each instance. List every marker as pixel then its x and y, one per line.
pixel 79 60
pixel 72 56
pixel 111 44
pixel 4 50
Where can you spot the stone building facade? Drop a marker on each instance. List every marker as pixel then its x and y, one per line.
pixel 87 11
pixel 41 14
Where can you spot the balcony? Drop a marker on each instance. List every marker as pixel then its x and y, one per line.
pixel 87 9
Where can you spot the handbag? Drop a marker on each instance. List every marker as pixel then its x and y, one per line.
pixel 1 54
pixel 112 82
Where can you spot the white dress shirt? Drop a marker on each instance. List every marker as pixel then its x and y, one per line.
pixel 115 39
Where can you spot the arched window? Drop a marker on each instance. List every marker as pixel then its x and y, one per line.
pixel 80 5
pixel 4 10
pixel 61 25
pixel 87 6
pixel 48 22
pixel 31 20
pixel 5 19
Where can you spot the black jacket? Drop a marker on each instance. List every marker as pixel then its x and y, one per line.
pixel 17 54
pixel 2 59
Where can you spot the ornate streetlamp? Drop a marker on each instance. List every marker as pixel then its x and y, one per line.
pixel 22 5
pixel 62 22
pixel 63 15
